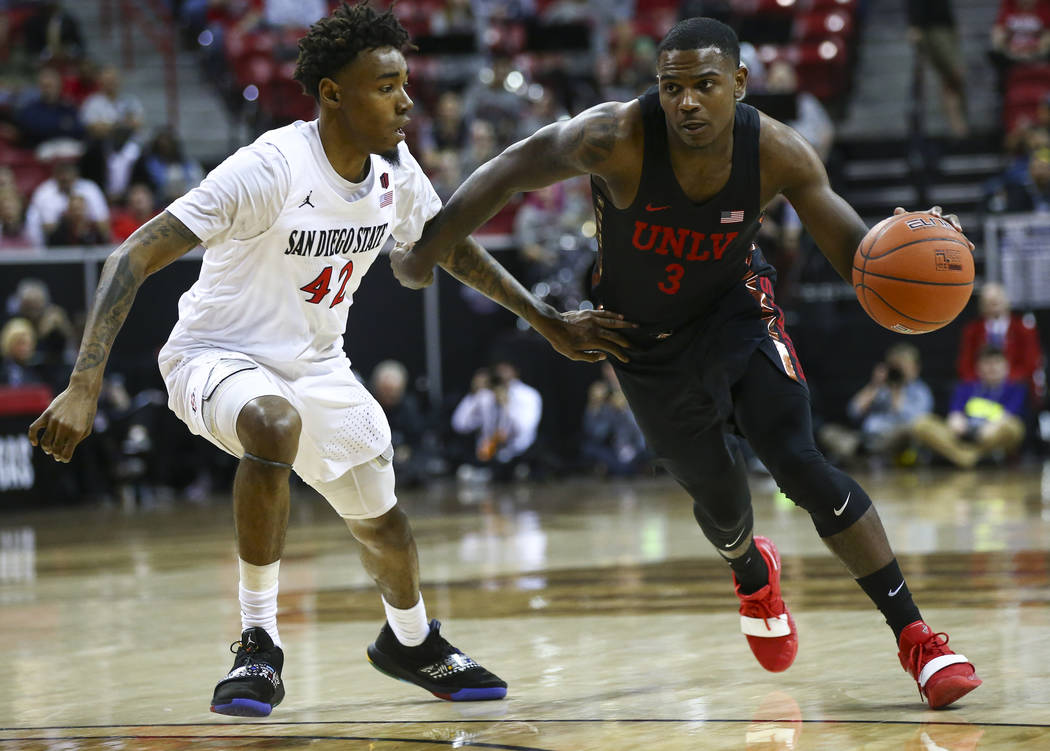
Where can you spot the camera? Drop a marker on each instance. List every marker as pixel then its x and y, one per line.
pixel 894 375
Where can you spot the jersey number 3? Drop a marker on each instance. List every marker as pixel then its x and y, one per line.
pixel 322 285
pixel 675 272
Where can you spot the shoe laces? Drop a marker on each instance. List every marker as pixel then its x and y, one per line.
pixel 766 608
pixel 248 651
pixel 935 645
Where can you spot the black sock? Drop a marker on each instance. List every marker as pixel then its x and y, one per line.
pixel 888 590
pixel 750 569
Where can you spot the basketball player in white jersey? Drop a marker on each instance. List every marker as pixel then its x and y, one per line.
pixel 256 363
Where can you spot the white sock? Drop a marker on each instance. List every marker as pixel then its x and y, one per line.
pixel 409 626
pixel 258 596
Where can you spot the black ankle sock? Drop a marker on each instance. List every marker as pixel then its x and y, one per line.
pixel 888 590
pixel 750 569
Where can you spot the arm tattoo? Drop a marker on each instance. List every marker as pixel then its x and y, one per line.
pixel 116 293
pixel 472 265
pixel 165 227
pixel 120 282
pixel 593 143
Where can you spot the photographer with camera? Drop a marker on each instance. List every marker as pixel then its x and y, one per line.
pixel 886 409
pixel 504 414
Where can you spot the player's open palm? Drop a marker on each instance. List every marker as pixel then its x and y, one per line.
pixel 588 334
pixel 64 424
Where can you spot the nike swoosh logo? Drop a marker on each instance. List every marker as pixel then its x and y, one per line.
pixel 650 207
pixel 898 589
pixel 738 537
pixel 838 511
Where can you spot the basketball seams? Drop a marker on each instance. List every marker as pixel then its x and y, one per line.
pixel 889 223
pixel 901 313
pixel 915 281
pixel 916 242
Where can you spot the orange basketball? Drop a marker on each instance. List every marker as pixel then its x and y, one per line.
pixel 913 273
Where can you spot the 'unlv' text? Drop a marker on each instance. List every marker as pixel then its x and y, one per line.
pixel 334 242
pixel 680 242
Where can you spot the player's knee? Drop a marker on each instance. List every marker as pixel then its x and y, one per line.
pixel 269 427
pixel 719 520
pixel 389 531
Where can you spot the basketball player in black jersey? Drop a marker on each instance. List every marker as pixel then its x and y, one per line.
pixel 680 178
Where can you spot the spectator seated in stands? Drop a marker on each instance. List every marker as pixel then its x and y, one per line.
pixel 164 167
pixel 1015 334
pixel 986 418
pixel 19 363
pixel 75 226
pixel 53 331
pixel 13 233
pixel 138 211
pixel 407 424
pixel 503 414
pixel 113 121
pixel 109 109
pixel 886 409
pixel 48 115
pixel 51 199
pixel 1021 33
pixel 612 441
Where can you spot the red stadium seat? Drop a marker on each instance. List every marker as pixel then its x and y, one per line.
pixel 283 98
pixel 254 68
pixel 29 175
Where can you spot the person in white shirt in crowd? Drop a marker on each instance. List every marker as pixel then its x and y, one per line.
pixel 504 414
pixel 51 199
pixel 113 120
pixel 109 108
pixel 256 362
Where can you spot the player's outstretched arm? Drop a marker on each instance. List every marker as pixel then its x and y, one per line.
pixel 793 167
pixel 579 335
pixel 559 151
pixel 67 421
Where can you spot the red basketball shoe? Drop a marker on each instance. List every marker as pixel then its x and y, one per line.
pixel 764 618
pixel 942 675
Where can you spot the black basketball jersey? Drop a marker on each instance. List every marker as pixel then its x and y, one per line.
pixel 665 260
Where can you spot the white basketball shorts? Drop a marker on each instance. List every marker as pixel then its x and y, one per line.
pixel 343 425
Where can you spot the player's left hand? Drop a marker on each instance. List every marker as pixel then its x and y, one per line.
pixel 587 335
pixel 938 211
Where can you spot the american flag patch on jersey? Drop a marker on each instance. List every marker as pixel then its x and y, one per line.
pixel 386 199
pixel 731 217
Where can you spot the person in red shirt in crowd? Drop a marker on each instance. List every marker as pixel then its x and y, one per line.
pixel 1015 334
pixel 1021 33
pixel 138 211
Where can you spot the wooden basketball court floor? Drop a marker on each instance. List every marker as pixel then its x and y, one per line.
pixel 599 602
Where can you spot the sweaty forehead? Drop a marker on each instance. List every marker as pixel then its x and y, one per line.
pixel 688 63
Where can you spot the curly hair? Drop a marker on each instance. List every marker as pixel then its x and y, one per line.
pixel 334 41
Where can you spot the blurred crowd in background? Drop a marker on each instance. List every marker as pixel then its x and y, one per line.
pixel 78 167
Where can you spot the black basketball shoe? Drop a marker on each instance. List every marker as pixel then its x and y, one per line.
pixel 436 666
pixel 253 687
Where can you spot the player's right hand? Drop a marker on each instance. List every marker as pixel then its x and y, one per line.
pixel 407 270
pixel 65 423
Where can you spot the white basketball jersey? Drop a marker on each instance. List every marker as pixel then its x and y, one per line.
pixel 284 295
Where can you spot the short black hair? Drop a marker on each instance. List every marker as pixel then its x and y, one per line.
pixel 335 41
pixel 699 33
